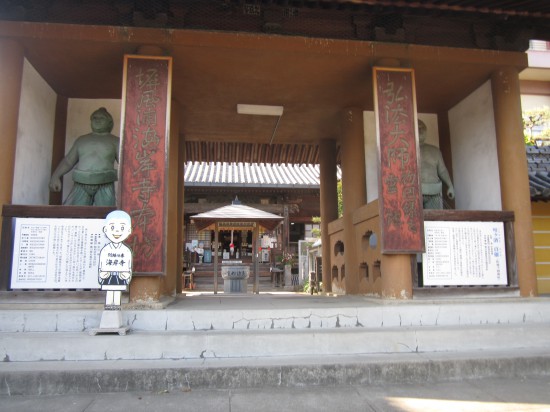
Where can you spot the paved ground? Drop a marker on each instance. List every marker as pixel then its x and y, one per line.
pixel 529 394
pixel 201 300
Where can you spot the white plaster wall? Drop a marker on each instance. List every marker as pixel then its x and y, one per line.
pixel 371 155
pixel 530 102
pixel 78 123
pixel 474 151
pixel 430 120
pixel 33 154
pixel 371 148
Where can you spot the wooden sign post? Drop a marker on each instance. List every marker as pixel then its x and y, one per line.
pixel 144 157
pixel 400 199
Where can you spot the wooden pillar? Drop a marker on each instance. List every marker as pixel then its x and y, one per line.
pixel 354 189
pixel 396 276
pixel 11 74
pixel 174 248
pixel 145 289
pixel 59 138
pixel 180 201
pixel 329 203
pixel 514 178
pixel 216 244
pixel 255 254
pixel 286 228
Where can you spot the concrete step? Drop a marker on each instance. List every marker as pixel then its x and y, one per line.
pixel 227 312
pixel 162 376
pixel 266 343
pixel 243 326
pixel 234 341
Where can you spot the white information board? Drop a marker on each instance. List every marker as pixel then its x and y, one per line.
pixel 56 253
pixel 464 254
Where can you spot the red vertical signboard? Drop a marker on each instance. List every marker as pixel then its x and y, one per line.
pixel 144 154
pixel 400 199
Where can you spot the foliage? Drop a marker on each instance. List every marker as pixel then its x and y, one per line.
pixel 287 258
pixel 533 121
pixel 316 232
pixel 306 286
pixel 304 246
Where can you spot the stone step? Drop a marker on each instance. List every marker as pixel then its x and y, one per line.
pixel 254 326
pixel 219 341
pixel 227 312
pixel 163 376
pixel 266 343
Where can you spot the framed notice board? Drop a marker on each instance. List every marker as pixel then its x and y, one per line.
pixel 56 253
pixel 464 254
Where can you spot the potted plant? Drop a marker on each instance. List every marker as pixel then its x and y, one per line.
pixel 287 259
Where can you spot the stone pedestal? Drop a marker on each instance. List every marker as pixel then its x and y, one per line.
pixel 235 278
pixel 288 278
pixel 111 322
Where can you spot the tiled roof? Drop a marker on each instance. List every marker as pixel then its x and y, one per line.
pixel 304 176
pixel 225 152
pixel 237 213
pixel 307 176
pixel 538 161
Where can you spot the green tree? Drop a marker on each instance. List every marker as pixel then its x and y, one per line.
pixel 316 232
pixel 534 119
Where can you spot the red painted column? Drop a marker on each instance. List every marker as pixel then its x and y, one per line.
pixel 400 203
pixel 147 184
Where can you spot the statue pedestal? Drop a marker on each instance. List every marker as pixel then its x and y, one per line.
pixel 111 322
